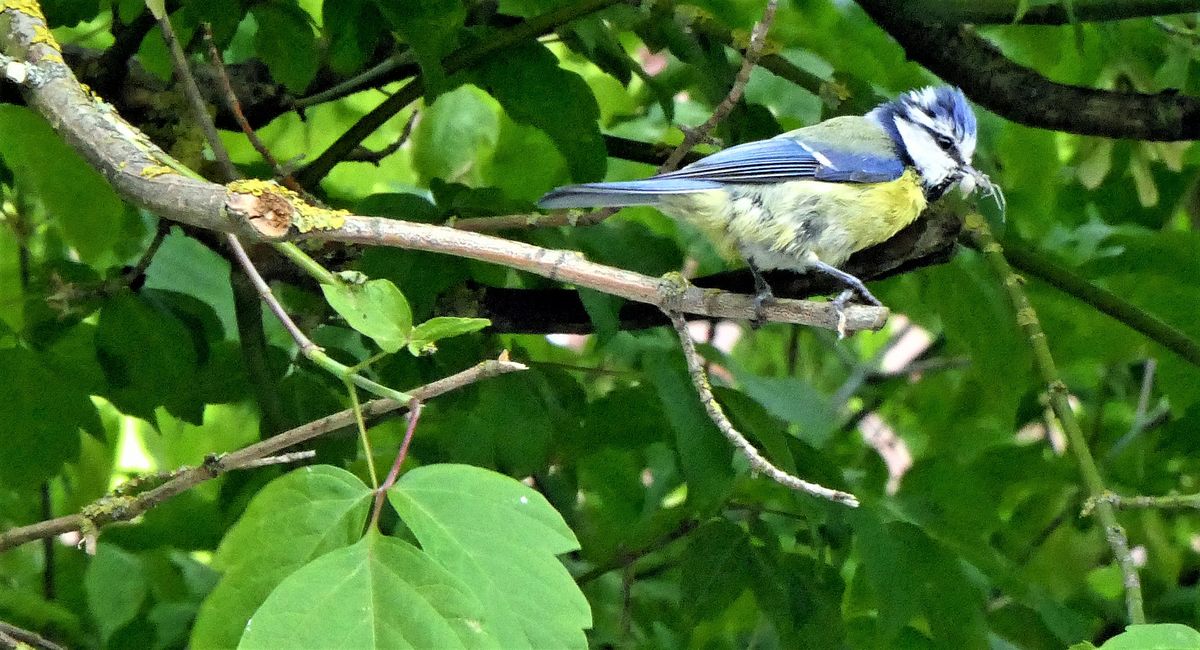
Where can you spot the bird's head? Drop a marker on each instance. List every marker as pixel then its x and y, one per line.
pixel 934 127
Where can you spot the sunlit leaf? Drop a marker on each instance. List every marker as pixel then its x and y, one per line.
pixel 500 538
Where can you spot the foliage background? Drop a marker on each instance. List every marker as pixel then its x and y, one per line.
pixel 108 371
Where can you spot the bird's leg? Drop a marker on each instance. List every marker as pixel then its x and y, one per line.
pixel 762 296
pixel 855 286
pixel 849 280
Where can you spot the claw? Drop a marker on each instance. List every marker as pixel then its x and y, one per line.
pixel 762 298
pixel 839 306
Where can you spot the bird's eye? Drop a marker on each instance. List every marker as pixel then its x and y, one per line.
pixel 944 141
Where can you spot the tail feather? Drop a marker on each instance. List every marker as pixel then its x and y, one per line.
pixel 620 194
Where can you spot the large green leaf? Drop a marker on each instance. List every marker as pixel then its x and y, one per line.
pixel 115 585
pixel 77 199
pixel 375 308
pixel 42 416
pixel 296 518
pixel 715 568
pixel 431 28
pixel 148 355
pixel 455 135
pixel 1159 636
pixel 500 538
pixel 704 454
pixel 528 83
pixel 378 593
pixel 286 43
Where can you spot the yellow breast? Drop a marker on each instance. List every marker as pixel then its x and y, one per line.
pixel 782 225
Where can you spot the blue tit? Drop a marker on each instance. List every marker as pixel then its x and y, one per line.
pixel 809 198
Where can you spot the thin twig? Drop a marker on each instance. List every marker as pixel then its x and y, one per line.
pixel 414 416
pixel 15 637
pixel 692 137
pixel 235 108
pixel 123 508
pixel 717 415
pixel 183 73
pixel 363 154
pixel 281 459
pixel 572 268
pixel 977 229
pixel 1168 502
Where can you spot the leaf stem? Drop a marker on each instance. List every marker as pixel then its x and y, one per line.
pixel 362 432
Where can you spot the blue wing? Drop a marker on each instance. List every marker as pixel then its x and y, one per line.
pixel 787 159
pixel 784 158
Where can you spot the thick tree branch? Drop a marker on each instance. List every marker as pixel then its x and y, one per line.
pixel 1004 12
pixel 960 56
pixel 928 241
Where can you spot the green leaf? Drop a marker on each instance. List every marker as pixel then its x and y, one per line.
pixel 147 353
pixel 704 454
pixel 352 28
pixel 115 585
pixel 378 593
pixel 715 568
pixel 431 28
pixel 425 335
pixel 1160 636
pixel 376 308
pixel 77 199
pixel 501 538
pixel 455 135
pixel 528 83
pixel 286 43
pixel 42 416
pixel 294 519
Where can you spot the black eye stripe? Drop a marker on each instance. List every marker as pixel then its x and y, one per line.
pixel 946 143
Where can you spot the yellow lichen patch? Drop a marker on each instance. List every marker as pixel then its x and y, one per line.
pixel 312 217
pixel 27 7
pixel 41 32
pixel 304 216
pixel 154 171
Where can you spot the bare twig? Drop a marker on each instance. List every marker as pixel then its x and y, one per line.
pixel 235 108
pixel 183 74
pixel 692 137
pixel 414 416
pixel 281 459
pixel 123 508
pixel 572 268
pixel 12 636
pixel 363 154
pixel 1168 502
pixel 717 415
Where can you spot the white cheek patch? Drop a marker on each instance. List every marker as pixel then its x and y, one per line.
pixel 933 163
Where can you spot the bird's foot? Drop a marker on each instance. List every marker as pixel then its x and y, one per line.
pixel 839 306
pixel 762 299
pixel 843 299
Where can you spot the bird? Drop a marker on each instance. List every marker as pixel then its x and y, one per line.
pixel 809 198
